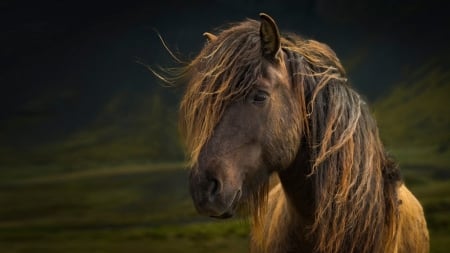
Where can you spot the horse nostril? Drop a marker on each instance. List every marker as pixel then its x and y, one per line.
pixel 213 188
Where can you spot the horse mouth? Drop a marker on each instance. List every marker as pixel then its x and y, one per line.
pixel 231 210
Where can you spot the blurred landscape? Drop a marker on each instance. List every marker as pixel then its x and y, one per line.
pixel 90 159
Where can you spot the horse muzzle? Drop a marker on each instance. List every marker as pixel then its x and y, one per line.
pixel 214 196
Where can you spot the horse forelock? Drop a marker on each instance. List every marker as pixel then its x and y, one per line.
pixel 223 72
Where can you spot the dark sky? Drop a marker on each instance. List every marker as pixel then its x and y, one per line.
pixel 68 57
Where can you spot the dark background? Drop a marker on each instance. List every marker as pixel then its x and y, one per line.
pixel 75 55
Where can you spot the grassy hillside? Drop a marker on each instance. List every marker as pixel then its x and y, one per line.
pixel 143 208
pixel 127 127
pixel 414 122
pixel 414 119
pixel 129 207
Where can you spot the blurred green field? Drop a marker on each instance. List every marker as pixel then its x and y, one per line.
pixel 146 208
pixel 132 207
pixel 431 185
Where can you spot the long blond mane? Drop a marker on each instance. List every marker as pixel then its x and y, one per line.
pixel 355 200
pixel 355 181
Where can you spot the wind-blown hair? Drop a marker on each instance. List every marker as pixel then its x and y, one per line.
pixel 222 73
pixel 354 181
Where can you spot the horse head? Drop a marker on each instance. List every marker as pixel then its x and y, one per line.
pixel 258 131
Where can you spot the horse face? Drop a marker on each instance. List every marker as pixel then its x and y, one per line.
pixel 256 136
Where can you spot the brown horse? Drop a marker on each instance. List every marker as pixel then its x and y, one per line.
pixel 257 105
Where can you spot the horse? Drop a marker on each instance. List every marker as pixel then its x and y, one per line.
pixel 273 130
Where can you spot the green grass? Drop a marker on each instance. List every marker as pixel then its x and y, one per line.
pixel 147 208
pixel 180 238
pixel 131 207
pixel 431 185
pixel 414 122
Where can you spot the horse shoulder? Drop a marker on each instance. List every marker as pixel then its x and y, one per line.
pixel 413 233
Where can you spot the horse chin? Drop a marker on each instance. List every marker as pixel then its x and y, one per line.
pixel 223 216
pixel 231 210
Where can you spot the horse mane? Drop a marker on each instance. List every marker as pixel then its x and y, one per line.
pixel 354 180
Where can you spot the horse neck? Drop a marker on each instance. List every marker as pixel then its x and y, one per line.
pixel 298 212
pixel 298 188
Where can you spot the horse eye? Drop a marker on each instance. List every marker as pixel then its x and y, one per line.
pixel 260 97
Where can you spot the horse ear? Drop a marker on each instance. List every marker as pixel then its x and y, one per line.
pixel 270 37
pixel 210 37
